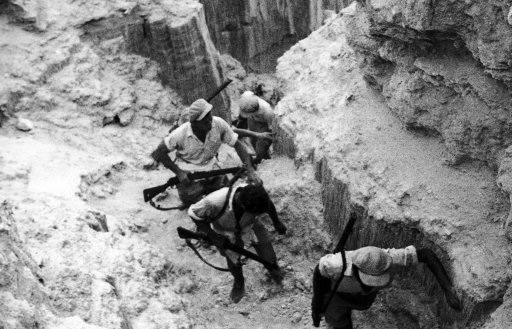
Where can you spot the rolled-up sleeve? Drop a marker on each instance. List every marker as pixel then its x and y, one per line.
pixel 227 134
pixel 403 257
pixel 330 265
pixel 201 210
pixel 171 141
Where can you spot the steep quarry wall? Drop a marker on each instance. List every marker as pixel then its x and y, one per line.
pixel 400 177
pixel 443 67
pixel 188 61
pixel 248 28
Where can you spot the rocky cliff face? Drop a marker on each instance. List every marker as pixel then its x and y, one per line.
pixel 248 28
pixel 443 67
pixel 363 153
pixel 175 36
pixel 188 60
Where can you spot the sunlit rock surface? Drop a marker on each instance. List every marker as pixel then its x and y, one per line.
pixel 365 157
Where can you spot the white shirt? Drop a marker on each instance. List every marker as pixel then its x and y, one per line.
pixel 198 155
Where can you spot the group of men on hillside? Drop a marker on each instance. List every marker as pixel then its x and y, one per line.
pixel 232 209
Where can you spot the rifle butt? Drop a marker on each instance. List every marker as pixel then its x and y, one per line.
pixel 151 192
pixel 183 233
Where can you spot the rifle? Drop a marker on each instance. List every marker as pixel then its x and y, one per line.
pixel 341 247
pixel 224 243
pixel 218 90
pixel 209 98
pixel 151 192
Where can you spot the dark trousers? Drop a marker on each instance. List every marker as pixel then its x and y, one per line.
pixel 339 313
pixel 262 244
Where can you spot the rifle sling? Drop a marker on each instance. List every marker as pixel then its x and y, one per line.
pixel 341 247
pixel 338 282
pixel 159 207
pixel 191 246
pixel 226 202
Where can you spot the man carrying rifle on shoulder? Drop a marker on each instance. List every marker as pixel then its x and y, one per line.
pixel 233 213
pixel 255 121
pixel 367 271
pixel 197 143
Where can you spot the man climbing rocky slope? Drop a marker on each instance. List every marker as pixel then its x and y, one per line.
pixel 74 182
pixel 75 185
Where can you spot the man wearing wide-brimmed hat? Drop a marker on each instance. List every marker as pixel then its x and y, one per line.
pixel 255 121
pixel 197 143
pixel 368 270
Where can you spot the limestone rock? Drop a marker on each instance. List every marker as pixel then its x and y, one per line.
pixel 505 182
pixel 29 12
pixel 22 297
pixel 178 40
pixel 24 124
pixel 441 72
pixel 366 161
pixel 254 27
pixel 102 182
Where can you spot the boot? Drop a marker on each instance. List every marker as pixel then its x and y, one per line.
pixel 238 290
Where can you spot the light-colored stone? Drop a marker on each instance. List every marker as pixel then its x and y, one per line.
pixel 24 124
pixel 365 159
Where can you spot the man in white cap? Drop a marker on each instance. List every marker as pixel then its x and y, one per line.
pixel 197 143
pixel 257 116
pixel 368 270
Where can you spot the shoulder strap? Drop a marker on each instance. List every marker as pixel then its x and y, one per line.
pixel 226 202
pixel 337 284
pixel 191 246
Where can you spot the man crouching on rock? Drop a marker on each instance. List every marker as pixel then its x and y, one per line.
pixel 197 143
pixel 368 270
pixel 238 221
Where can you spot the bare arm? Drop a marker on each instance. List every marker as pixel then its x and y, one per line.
pixel 161 154
pixel 246 159
pixel 249 133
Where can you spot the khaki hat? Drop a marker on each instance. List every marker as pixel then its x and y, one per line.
pixel 373 264
pixel 248 104
pixel 199 109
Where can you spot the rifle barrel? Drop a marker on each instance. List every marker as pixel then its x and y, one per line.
pixel 219 90
pixel 187 234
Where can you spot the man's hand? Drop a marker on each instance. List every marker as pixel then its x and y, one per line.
pixel 280 228
pixel 183 177
pixel 267 135
pixel 252 177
